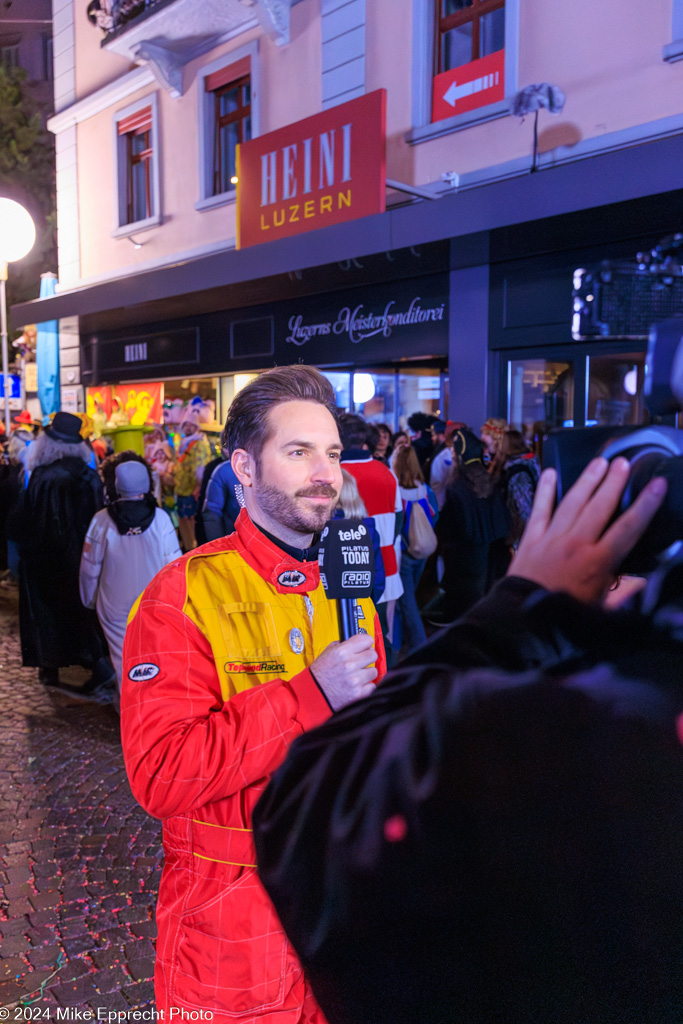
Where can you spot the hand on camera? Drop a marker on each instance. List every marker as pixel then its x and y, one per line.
pixel 345 671
pixel 571 549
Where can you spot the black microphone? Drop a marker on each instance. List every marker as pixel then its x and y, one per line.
pixel 347 568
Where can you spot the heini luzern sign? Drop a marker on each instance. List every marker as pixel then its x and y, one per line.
pixel 324 170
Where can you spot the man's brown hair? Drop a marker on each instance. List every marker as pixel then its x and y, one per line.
pixel 247 425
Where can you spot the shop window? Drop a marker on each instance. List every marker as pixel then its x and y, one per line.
pixel 341 382
pixel 419 391
pixel 228 117
pixel 540 396
pixel 614 396
pixel 374 396
pixel 137 165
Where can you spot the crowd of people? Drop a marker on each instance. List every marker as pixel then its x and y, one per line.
pixel 87 528
pixel 492 831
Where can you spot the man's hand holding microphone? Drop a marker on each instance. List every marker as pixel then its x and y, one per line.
pixel 345 671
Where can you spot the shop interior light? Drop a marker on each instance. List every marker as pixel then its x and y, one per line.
pixel 234 179
pixel 363 388
pixel 631 381
pixel 242 379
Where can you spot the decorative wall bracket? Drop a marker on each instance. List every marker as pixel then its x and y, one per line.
pixel 274 17
pixel 166 66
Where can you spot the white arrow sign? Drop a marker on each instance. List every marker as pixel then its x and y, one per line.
pixel 457 92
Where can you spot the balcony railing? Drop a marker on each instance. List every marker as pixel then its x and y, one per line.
pixel 113 15
pixel 168 33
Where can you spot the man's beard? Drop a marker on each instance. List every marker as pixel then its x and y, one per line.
pixel 286 510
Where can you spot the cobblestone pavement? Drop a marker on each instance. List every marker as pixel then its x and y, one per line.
pixel 79 859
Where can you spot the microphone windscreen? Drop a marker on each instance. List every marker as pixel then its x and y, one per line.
pixel 347 560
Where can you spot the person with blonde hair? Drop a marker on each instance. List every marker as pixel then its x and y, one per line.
pixel 414 492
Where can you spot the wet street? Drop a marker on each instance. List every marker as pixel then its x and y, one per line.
pixel 79 860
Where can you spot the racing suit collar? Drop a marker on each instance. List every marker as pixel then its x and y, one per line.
pixel 309 554
pixel 288 574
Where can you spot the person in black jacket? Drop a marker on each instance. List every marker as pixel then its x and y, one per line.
pixel 218 505
pixel 472 528
pixel 496 833
pixel 419 424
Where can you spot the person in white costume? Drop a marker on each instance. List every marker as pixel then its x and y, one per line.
pixel 126 545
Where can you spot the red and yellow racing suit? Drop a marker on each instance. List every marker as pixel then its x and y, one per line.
pixel 216 686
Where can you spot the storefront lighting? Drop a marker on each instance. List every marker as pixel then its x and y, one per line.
pixel 17 236
pixel 242 379
pixel 234 179
pixel 631 381
pixel 363 388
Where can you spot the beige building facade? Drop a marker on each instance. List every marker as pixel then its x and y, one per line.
pixel 151 97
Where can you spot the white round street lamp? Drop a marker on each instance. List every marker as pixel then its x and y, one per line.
pixel 17 236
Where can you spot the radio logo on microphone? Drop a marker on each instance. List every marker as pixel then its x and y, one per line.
pixel 356 579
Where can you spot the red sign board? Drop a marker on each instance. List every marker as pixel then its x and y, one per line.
pixel 141 402
pixel 470 86
pixel 323 170
pixel 98 400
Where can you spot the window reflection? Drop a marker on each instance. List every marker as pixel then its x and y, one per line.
pixel 341 382
pixel 374 396
pixel 615 387
pixel 418 391
pixel 384 396
pixel 541 396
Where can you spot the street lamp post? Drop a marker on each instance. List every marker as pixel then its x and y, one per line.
pixel 17 235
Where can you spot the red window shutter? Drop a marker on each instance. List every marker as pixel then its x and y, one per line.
pixel 228 74
pixel 140 121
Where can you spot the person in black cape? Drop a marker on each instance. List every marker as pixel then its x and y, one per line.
pixel 62 496
pixel 496 834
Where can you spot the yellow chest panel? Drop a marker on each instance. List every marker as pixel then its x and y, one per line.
pixel 257 633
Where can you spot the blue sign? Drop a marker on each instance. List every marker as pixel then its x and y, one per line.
pixel 16 386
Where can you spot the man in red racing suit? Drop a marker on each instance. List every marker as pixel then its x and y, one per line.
pixel 230 653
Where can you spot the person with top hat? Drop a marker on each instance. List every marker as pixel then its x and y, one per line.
pixel 62 496
pixel 126 545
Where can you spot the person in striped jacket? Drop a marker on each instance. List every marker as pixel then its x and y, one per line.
pixel 378 487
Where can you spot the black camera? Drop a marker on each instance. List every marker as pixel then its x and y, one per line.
pixel 652 450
